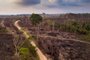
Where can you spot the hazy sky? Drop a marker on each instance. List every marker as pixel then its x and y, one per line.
pixel 47 6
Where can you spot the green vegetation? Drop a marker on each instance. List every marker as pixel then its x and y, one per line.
pixel 24 53
pixel 85 37
pixel 35 19
pixel 76 27
pixel 3 30
pixel 51 24
pixel 81 29
pixel 27 52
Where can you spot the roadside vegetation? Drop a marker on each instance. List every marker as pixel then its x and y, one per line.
pixel 27 52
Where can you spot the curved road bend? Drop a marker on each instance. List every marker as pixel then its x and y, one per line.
pixel 39 52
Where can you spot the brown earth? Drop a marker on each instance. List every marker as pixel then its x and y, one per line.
pixel 7 48
pixel 56 49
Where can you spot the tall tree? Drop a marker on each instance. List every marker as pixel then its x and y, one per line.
pixel 36 19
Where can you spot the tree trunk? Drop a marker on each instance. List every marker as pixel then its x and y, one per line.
pixel 37 31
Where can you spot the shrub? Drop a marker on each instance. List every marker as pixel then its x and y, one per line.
pixel 24 51
pixel 86 26
pixel 82 31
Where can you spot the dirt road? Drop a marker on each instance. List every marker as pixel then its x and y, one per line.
pixel 39 52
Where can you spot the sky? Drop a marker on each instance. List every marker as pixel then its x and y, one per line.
pixel 44 6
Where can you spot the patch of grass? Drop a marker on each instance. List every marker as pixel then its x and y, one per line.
pixel 84 37
pixel 24 51
pixel 28 52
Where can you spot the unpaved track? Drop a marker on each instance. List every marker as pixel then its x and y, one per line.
pixel 39 52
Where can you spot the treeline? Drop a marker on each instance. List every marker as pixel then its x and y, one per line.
pixel 72 15
pixel 76 27
pixel 81 29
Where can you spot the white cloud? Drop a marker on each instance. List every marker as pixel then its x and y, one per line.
pixel 48 6
pixel 52 1
pixel 72 1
